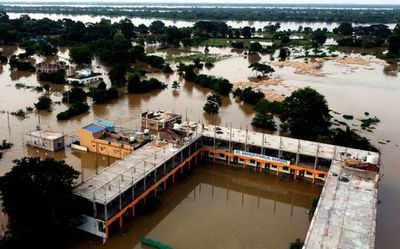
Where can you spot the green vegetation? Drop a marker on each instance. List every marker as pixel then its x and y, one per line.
pixel 47 185
pixel 44 103
pixel 20 65
pixel 176 85
pixel 81 55
pixel 348 117
pixel 57 77
pixel 102 95
pixel 349 138
pixel 262 68
pixel 306 113
pixel 213 104
pixel 207 58
pixel 248 95
pixel 76 94
pixel 297 244
pixel 74 110
pixel 367 122
pixel 118 74
pixel 3 59
pixel 136 85
pixel 281 14
pixel 264 120
pixel 220 85
pixel 4 146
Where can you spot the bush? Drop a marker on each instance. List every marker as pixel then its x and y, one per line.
pixel 74 95
pixel 264 120
pixel 248 95
pixel 44 103
pixel 220 85
pixel 75 110
pixel 17 64
pixel 135 85
pixel 57 77
pixel 154 61
pixel 213 104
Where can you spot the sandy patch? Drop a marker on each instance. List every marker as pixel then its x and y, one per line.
pixel 263 86
pixel 357 61
pixel 312 68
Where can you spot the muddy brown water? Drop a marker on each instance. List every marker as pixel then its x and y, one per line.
pixel 184 220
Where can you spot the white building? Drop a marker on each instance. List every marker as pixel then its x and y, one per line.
pixel 46 140
pixel 85 76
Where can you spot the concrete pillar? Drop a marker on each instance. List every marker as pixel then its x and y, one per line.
pixel 105 212
pixel 94 209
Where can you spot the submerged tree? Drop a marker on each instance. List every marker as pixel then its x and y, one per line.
pixel 213 104
pixel 38 199
pixel 262 68
pixel 44 103
pixel 306 113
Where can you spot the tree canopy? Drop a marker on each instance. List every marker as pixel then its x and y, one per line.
pixel 306 113
pixel 38 198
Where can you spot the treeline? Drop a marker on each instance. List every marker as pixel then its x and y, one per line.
pixel 372 15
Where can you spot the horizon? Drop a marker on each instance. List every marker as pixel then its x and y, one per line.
pixel 230 2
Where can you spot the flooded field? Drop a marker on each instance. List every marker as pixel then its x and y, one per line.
pixel 252 215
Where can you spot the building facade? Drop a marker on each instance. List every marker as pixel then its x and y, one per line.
pixel 46 140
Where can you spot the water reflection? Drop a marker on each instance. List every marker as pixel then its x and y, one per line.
pixel 227 204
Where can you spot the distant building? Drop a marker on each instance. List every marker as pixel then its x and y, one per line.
pixel 160 120
pixel 45 67
pixel 46 140
pixel 85 76
pixel 100 137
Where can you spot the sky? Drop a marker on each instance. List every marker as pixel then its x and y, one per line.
pixel 226 1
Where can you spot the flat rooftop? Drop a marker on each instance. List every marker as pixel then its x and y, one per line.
pixel 346 213
pixel 161 116
pixel 303 147
pixel 46 134
pixel 121 175
pixel 94 128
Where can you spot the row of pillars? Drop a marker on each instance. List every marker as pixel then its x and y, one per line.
pixel 189 165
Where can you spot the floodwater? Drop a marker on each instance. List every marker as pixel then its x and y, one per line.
pixel 221 207
pixel 349 89
pixel 182 23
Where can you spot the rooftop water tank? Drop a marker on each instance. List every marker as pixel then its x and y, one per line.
pixel 146 131
pixel 132 139
pixel 176 126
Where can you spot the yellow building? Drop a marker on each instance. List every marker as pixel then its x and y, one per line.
pixel 97 138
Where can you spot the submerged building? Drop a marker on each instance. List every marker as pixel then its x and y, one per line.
pixel 47 140
pixel 85 76
pixel 101 137
pixel 112 194
pixel 159 120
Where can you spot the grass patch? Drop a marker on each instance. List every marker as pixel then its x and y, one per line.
pixel 207 58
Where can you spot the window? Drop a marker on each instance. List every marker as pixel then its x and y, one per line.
pixel 252 161
pixel 285 168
